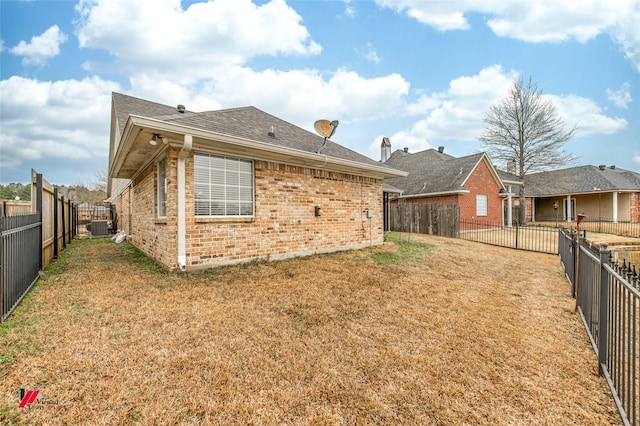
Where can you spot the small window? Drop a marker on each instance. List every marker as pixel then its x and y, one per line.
pixel 223 186
pixel 481 205
pixel 162 188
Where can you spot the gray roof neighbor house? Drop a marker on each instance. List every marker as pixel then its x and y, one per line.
pixel 432 172
pixel 581 180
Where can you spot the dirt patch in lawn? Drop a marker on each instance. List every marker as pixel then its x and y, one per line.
pixel 425 330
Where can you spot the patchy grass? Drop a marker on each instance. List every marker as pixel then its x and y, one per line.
pixel 406 249
pixel 422 330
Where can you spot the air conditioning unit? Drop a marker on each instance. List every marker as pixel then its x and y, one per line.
pixel 99 227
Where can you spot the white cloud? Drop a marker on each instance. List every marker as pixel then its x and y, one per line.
pixel 370 54
pixel 303 96
pixel 349 10
pixel 187 45
pixel 41 48
pixel 66 119
pixel 587 115
pixel 621 97
pixel 535 21
pixel 457 114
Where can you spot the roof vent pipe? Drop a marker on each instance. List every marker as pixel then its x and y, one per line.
pixel 612 167
pixel 272 132
pixel 181 109
pixel 406 149
pixel 602 166
pixel 441 149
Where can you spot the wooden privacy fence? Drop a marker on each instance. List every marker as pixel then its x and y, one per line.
pixel 28 242
pixel 434 219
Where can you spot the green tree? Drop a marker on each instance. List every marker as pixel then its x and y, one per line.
pixel 13 190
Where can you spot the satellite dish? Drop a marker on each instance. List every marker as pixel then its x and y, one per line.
pixel 325 128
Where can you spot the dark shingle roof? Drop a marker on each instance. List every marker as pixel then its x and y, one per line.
pixel 125 105
pixel 431 171
pixel 580 180
pixel 247 122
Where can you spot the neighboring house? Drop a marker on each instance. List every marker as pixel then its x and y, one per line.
pixel 472 182
pixel 597 191
pixel 196 190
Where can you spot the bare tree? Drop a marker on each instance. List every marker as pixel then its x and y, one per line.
pixel 100 183
pixel 524 127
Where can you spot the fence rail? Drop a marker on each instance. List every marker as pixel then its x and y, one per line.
pixel 532 238
pixel 596 224
pixel 608 299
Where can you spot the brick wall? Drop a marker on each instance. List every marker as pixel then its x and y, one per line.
pixel 481 182
pixel 634 206
pixel 284 224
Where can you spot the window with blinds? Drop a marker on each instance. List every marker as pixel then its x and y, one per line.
pixel 223 186
pixel 162 188
pixel 481 205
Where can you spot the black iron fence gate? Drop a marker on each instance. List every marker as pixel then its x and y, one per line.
pixel 21 239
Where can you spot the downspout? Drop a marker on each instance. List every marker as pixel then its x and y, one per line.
pixel 181 207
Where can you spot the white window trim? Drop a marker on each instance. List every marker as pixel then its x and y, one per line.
pixel 161 187
pixel 482 206
pixel 226 216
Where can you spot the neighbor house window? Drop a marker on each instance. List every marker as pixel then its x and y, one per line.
pixel 481 205
pixel 223 186
pixel 162 188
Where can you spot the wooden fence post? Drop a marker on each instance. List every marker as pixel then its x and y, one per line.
pixel 55 223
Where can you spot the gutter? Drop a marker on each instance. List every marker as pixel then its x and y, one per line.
pixel 434 194
pixel 181 202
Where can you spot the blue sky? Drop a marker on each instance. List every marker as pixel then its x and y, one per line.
pixel 422 73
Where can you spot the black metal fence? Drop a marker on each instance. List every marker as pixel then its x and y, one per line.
pixel 29 241
pixel 95 219
pixel 542 239
pixel 21 238
pixel 608 299
pixel 597 224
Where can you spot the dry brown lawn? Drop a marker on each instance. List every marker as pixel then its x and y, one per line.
pixel 423 331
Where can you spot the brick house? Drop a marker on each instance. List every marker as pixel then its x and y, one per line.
pixel 471 182
pixel 194 190
pixel 597 191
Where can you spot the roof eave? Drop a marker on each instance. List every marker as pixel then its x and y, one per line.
pixel 137 124
pixel 565 194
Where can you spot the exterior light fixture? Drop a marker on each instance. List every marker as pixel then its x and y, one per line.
pixel 318 211
pixel 154 139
